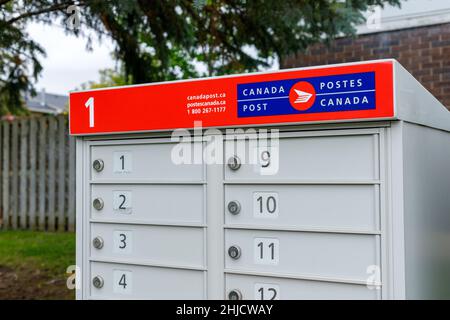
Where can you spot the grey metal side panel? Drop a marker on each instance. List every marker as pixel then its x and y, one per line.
pixel 393 224
pixel 416 104
pixel 79 217
pixel 427 211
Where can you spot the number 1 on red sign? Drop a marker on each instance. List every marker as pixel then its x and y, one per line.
pixel 90 104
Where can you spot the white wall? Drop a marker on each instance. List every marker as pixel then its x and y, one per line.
pixel 413 13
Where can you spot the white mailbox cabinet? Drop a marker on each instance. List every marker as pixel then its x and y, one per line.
pixel 354 206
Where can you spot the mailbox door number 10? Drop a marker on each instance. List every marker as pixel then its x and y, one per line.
pixel 265 205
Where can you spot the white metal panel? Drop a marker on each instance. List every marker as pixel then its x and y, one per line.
pixel 147 282
pixel 352 207
pixel 143 161
pixel 161 245
pixel 334 157
pixel 256 287
pixel 323 255
pixel 150 203
pixel 426 198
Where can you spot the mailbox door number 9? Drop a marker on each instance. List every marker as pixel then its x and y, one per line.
pixel 268 160
pixel 266 250
pixel 123 281
pixel 122 201
pixel 265 205
pixel 123 242
pixel 123 162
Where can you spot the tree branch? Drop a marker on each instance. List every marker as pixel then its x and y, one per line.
pixel 53 8
pixel 2 2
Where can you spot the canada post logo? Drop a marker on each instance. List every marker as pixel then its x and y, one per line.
pixel 302 96
pixel 310 95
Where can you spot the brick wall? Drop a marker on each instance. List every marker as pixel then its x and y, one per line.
pixel 425 52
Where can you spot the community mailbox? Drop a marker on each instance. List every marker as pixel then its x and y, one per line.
pixel 330 182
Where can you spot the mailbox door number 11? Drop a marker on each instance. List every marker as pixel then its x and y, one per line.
pixel 266 250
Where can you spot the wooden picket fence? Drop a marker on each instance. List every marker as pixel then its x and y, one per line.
pixel 37 174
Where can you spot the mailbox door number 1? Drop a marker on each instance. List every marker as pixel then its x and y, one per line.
pixel 122 162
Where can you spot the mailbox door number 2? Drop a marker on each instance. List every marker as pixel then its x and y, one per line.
pixel 122 201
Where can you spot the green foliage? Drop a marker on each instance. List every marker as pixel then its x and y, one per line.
pixel 108 78
pixel 164 40
pixel 19 63
pixel 53 252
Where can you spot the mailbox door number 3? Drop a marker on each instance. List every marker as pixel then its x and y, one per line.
pixel 123 241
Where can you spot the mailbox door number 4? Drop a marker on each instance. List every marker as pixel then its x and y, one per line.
pixel 122 282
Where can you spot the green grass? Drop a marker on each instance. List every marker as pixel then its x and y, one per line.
pixel 52 252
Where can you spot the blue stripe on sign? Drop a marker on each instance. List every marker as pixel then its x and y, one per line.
pixel 333 93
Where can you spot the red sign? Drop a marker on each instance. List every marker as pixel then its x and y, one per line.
pixel 349 92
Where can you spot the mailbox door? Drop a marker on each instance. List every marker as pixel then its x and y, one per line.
pixel 304 220
pixel 144 221
pixel 271 288
pixel 303 216
pixel 122 282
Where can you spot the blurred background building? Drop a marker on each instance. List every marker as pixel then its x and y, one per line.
pixel 46 103
pixel 417 35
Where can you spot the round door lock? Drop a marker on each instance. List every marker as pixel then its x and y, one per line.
pixel 234 163
pixel 234 295
pixel 97 243
pixel 98 165
pixel 234 252
pixel 234 207
pixel 98 203
pixel 98 282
